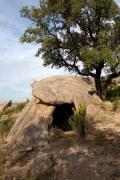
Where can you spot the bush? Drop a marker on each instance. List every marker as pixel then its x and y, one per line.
pixel 113 94
pixel 77 121
pixel 116 105
pixel 15 109
pixel 5 126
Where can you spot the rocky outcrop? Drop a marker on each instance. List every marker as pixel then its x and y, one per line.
pixel 32 125
pixel 31 128
pixel 86 99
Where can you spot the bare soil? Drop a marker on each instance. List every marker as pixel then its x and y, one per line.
pixel 96 157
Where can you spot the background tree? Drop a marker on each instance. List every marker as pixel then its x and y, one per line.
pixel 81 35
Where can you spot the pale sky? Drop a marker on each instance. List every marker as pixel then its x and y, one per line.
pixel 18 65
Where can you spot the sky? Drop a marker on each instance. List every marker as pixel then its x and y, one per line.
pixel 18 65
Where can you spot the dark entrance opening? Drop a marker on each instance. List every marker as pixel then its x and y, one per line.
pixel 61 116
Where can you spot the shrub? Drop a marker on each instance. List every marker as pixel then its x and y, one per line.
pixel 116 105
pixel 15 109
pixel 20 106
pixel 77 121
pixel 5 126
pixel 113 94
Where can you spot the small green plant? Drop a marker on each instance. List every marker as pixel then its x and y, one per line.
pixel 113 94
pixel 5 126
pixel 116 105
pixel 6 119
pixel 77 121
pixel 15 109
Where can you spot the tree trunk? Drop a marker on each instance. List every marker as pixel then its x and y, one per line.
pixel 104 94
pixel 101 91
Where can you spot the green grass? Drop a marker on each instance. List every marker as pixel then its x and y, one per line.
pixel 5 126
pixel 113 95
pixel 77 121
pixel 15 109
pixel 7 122
pixel 116 105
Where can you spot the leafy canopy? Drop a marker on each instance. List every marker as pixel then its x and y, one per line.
pixel 81 35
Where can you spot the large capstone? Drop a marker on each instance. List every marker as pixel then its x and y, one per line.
pixel 60 89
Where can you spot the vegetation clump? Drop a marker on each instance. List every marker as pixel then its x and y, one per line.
pixel 7 120
pixel 77 121
pixel 113 95
pixel 15 109
pixel 116 105
pixel 5 126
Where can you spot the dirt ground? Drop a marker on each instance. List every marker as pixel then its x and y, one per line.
pixel 87 160
pixel 96 157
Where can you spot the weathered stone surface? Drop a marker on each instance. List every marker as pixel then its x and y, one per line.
pixel 4 106
pixel 92 111
pixel 92 114
pixel 107 105
pixel 88 80
pixel 32 125
pixel 60 89
pixel 86 99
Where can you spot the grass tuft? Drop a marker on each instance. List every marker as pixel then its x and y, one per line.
pixel 113 94
pixel 5 126
pixel 116 105
pixel 77 121
pixel 16 109
pixel 7 121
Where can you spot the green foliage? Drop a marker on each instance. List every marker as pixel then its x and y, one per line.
pixel 72 32
pixel 6 120
pixel 15 109
pixel 77 121
pixel 113 94
pixel 116 105
pixel 5 126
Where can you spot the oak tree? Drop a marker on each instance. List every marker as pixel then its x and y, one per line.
pixel 81 35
